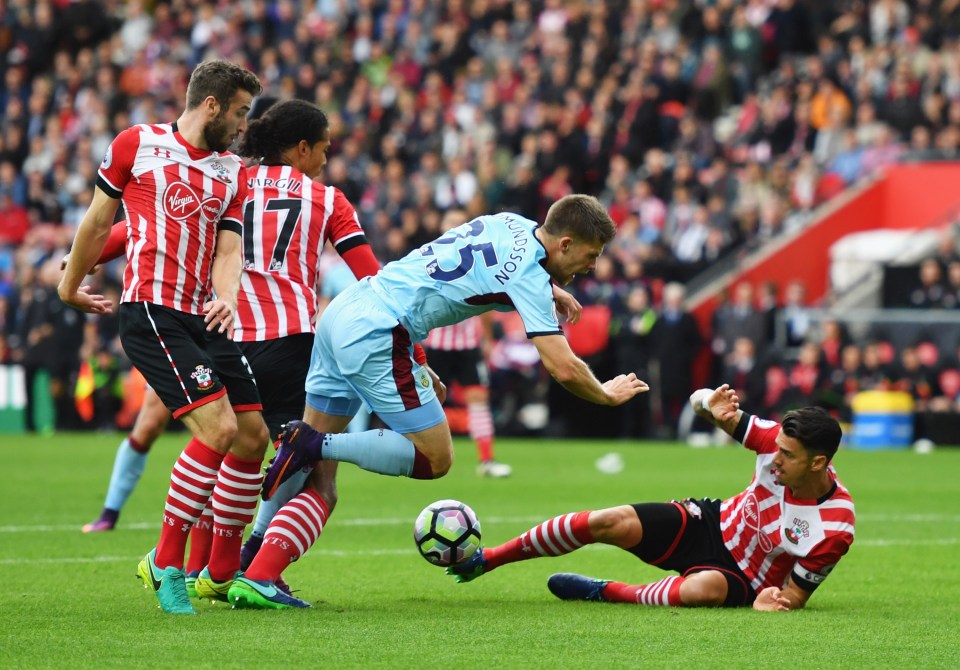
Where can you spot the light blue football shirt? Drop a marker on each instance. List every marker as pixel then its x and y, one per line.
pixel 491 262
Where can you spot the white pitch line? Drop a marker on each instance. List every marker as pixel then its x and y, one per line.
pixel 397 521
pixel 353 553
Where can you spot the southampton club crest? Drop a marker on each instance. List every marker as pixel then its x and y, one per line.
pixel 204 377
pixel 221 171
pixel 801 529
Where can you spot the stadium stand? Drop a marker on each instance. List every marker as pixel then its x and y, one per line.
pixel 715 132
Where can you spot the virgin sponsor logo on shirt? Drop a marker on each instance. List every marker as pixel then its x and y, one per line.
pixel 751 514
pixel 180 201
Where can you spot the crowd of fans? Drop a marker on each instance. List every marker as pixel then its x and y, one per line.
pixel 706 128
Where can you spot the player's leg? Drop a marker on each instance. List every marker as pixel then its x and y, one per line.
pixel 234 502
pixel 240 476
pixel 480 427
pixel 201 540
pixel 280 368
pixel 161 343
pixel 378 367
pixel 296 526
pixel 673 536
pixel 618 526
pixel 131 457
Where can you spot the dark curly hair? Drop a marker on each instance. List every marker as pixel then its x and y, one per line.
pixel 282 126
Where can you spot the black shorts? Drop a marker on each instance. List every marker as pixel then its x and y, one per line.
pixel 186 365
pixel 685 536
pixel 280 367
pixel 464 366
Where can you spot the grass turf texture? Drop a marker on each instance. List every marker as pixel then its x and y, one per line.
pixel 71 600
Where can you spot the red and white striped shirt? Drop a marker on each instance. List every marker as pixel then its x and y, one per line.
pixel 176 199
pixel 771 534
pixel 456 337
pixel 287 219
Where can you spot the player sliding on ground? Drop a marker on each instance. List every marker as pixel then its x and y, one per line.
pixel 770 546
pixel 363 353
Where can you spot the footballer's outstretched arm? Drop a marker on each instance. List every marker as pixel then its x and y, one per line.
pixel 575 375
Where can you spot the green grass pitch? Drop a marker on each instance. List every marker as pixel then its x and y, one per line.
pixel 70 600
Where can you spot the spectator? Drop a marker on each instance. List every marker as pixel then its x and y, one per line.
pixel 742 365
pixel 630 331
pixel 931 291
pixel 676 340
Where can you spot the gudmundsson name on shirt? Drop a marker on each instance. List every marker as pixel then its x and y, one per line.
pixel 521 238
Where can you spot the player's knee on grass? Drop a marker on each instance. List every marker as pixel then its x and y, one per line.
pixel 618 526
pixel 704 589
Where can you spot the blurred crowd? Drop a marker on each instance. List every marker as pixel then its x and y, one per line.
pixel 707 127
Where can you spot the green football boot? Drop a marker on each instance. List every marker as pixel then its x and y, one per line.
pixel 168 584
pixel 261 595
pixel 210 589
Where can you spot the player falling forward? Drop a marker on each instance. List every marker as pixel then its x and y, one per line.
pixel 770 546
pixel 457 354
pixel 364 338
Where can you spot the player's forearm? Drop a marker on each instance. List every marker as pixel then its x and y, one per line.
pixel 225 274
pixel 92 234
pixel 575 376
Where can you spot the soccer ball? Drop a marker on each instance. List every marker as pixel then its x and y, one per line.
pixel 447 532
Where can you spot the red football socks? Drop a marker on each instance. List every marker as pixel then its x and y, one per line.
pixel 555 537
pixel 663 592
pixel 294 529
pixel 191 484
pixel 234 504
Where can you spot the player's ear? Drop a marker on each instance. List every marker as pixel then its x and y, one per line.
pixel 818 463
pixel 211 104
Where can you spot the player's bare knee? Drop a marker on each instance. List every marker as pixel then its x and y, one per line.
pixel 441 462
pixel 251 439
pixel 614 524
pixel 704 589
pixel 219 433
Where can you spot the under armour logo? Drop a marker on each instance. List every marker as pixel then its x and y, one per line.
pixel 161 152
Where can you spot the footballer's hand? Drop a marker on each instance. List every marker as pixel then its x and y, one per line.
pixel 623 387
pixel 723 403
pixel 66 258
pixel 82 299
pixel 567 305
pixel 221 315
pixel 438 386
pixel 771 600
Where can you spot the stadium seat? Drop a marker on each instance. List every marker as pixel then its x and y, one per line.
pixel 829 185
pixel 591 333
